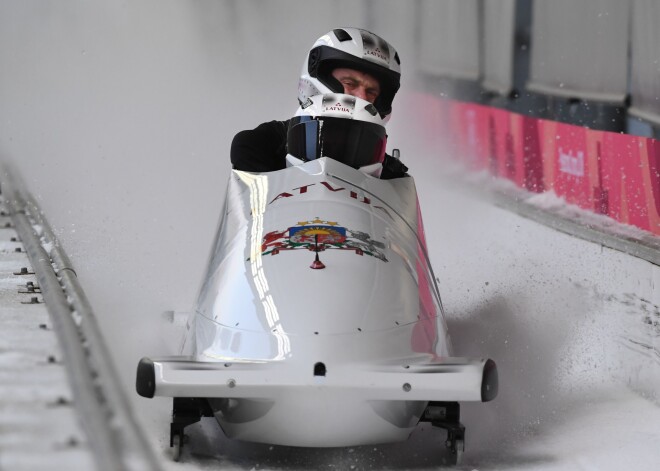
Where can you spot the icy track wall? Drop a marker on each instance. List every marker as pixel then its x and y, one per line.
pixel 617 175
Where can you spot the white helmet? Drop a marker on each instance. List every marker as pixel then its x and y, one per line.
pixel 342 127
pixel 351 48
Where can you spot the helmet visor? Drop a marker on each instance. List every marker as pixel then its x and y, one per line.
pixel 352 142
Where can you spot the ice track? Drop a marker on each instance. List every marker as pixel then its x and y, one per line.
pixel 120 116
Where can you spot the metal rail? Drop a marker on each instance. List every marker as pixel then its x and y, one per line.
pixel 114 436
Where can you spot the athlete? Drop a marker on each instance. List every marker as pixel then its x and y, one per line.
pixel 347 61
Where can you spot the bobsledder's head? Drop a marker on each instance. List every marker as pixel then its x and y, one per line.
pixel 340 126
pixel 352 61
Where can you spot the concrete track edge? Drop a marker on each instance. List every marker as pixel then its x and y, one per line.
pixel 569 219
pixel 114 436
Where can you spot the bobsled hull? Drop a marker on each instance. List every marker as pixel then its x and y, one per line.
pixel 319 322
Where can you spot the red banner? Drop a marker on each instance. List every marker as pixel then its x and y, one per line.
pixel 608 173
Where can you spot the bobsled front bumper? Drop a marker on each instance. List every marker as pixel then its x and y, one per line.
pixel 446 379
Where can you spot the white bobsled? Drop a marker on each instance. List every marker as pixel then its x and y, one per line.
pixel 319 322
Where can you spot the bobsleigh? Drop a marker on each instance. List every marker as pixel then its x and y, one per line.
pixel 319 322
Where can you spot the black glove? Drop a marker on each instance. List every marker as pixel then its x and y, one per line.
pixel 393 168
